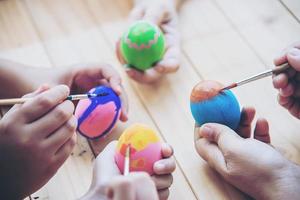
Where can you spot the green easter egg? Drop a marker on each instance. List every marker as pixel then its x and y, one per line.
pixel 143 45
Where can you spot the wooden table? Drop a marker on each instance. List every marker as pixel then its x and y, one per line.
pixel 223 40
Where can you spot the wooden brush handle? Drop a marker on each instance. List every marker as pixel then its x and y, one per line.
pixel 281 68
pixel 8 102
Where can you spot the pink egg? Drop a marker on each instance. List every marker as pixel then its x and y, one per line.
pixel 145 148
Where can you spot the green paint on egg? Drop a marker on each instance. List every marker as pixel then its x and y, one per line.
pixel 143 45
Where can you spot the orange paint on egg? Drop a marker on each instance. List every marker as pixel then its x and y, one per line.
pixel 205 90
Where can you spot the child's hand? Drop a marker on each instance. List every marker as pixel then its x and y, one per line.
pixel 163 14
pixel 163 170
pixel 135 186
pixel 82 78
pixel 251 165
pixel 288 83
pixel 105 168
pixel 35 140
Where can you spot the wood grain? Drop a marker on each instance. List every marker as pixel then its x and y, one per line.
pixel 223 40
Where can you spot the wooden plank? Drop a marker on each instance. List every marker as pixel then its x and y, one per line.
pixel 19 42
pixel 92 47
pixel 276 34
pixel 293 7
pixel 168 104
pixel 227 55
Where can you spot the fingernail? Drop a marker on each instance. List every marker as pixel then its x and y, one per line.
pixel 294 52
pixel 159 166
pixel 159 69
pixel 206 131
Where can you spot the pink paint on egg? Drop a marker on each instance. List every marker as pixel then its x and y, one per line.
pixel 97 116
pixel 141 160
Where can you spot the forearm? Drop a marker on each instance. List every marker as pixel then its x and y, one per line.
pixel 13 81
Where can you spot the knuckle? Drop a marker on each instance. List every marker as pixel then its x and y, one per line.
pixel 61 114
pixel 73 142
pixel 44 101
pixel 125 183
pixel 71 125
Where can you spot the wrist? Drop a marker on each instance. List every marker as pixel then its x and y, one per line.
pixel 284 184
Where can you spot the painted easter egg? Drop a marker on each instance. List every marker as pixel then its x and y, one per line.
pixel 142 45
pixel 97 116
pixel 209 105
pixel 145 148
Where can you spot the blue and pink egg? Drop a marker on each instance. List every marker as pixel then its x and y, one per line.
pixel 97 116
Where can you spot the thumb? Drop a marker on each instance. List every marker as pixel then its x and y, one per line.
pixel 214 141
pixel 223 136
pixel 293 57
pixel 156 15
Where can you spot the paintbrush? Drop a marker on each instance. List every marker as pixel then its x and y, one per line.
pixel 127 161
pixel 76 97
pixel 270 72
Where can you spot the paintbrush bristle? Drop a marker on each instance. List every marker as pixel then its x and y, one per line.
pixel 233 85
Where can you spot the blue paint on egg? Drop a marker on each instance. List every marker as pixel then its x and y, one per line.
pixel 223 109
pixel 97 116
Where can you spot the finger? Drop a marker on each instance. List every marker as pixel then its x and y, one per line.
pixel 163 194
pixel 247 116
pixel 121 188
pixel 124 108
pixel 137 13
pixel 297 91
pixel 163 181
pixel 294 109
pixel 281 59
pixel 113 78
pixel 156 15
pixel 64 152
pixel 44 102
pixel 149 76
pixel 171 60
pixel 293 57
pixel 166 150
pixel 211 153
pixel 285 102
pixel 53 119
pixel 261 131
pixel 39 90
pixel 288 90
pixel 119 53
pixel 223 136
pixel 280 81
pixel 58 138
pixel 164 166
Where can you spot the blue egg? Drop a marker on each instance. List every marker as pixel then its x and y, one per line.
pixel 223 109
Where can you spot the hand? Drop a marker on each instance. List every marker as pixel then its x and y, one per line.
pixel 163 170
pixel 251 165
pixel 163 14
pixel 35 140
pixel 288 83
pixel 81 78
pixel 105 169
pixel 135 186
